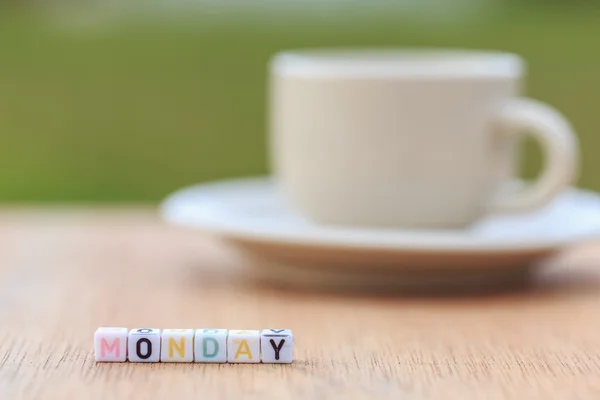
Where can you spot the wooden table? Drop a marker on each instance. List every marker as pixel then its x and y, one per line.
pixel 64 272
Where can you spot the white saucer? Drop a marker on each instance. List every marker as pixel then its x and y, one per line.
pixel 285 247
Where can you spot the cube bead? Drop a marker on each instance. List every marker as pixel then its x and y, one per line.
pixel 210 345
pixel 110 344
pixel 143 345
pixel 277 346
pixel 243 346
pixel 177 345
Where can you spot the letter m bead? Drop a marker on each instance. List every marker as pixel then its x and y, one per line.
pixel 110 344
pixel 277 346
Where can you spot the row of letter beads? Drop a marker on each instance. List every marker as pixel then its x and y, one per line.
pixel 189 345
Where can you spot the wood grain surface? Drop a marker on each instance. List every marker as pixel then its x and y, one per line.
pixel 64 272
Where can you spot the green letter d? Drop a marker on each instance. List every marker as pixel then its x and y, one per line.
pixel 205 347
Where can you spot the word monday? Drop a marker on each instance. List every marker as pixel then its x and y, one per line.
pixel 193 345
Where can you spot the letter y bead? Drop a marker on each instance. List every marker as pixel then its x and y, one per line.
pixel 277 346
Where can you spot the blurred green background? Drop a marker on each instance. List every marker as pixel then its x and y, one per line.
pixel 102 105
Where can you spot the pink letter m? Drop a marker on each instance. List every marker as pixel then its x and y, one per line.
pixel 114 347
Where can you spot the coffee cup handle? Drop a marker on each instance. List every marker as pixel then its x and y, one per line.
pixel 559 145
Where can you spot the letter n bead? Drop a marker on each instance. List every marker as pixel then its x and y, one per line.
pixel 110 344
pixel 243 346
pixel 210 346
pixel 277 346
pixel 143 345
pixel 177 345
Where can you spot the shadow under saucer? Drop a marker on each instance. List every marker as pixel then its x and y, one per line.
pixel 389 272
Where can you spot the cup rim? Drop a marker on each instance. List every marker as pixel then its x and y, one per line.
pixel 451 63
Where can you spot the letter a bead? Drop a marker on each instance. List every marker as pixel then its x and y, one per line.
pixel 243 346
pixel 110 344
pixel 210 346
pixel 177 345
pixel 143 345
pixel 277 346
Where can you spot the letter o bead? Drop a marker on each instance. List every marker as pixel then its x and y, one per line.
pixel 143 345
pixel 210 346
pixel 277 346
pixel 110 344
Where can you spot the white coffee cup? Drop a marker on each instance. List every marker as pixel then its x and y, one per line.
pixel 409 138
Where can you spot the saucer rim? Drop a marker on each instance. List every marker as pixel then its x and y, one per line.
pixel 404 240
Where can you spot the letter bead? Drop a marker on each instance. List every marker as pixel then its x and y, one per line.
pixel 210 346
pixel 177 345
pixel 243 346
pixel 143 345
pixel 110 344
pixel 277 346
